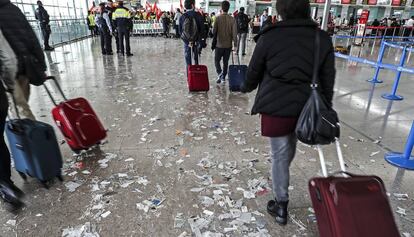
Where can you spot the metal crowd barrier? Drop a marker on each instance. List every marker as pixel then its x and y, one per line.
pixel 405 46
pixel 403 160
pixel 147 27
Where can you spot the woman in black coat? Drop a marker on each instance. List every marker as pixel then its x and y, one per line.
pixel 281 66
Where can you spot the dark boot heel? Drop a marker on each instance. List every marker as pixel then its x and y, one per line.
pixel 278 210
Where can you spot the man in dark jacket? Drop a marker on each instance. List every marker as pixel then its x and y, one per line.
pixel 111 9
pixel 23 41
pixel 242 29
pixel 188 46
pixel 43 17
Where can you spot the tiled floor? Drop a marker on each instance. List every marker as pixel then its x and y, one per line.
pixel 169 145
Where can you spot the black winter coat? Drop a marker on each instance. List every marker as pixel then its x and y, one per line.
pixel 282 66
pixel 19 34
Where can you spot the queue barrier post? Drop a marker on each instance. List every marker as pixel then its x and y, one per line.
pixel 403 160
pixel 393 95
pixel 378 68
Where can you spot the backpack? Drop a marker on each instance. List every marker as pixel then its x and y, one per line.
pixel 190 31
pixel 243 22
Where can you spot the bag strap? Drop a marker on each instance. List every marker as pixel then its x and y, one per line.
pixel 315 74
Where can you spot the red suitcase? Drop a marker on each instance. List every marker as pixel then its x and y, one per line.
pixel 354 206
pixel 77 121
pixel 197 78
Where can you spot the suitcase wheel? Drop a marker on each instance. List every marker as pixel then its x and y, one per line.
pixel 45 184
pixel 23 175
pixel 60 178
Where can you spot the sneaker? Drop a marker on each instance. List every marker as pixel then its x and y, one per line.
pixel 278 210
pixel 243 54
pixel 129 54
pixel 219 79
pixel 223 80
pixel 49 48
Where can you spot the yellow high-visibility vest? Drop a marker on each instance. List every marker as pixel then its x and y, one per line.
pixel 91 18
pixel 120 13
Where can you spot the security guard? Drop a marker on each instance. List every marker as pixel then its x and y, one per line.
pixel 105 29
pixel 123 22
pixel 91 23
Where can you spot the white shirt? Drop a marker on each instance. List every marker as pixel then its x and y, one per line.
pixel 177 18
pixel 410 23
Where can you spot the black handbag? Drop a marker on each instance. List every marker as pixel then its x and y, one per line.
pixel 318 123
pixel 33 70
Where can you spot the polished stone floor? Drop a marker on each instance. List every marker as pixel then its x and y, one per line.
pixel 181 164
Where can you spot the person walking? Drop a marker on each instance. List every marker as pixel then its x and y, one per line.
pixel 43 17
pixel 22 39
pixel 280 67
pixel 191 29
pixel 90 20
pixel 122 21
pixel 225 31
pixel 177 17
pixel 242 30
pixel 8 70
pixel 105 29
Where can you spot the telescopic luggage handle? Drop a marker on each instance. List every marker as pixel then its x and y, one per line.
pixel 340 157
pixel 232 58
pixel 58 87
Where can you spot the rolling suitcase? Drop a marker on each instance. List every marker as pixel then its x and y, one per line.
pixel 77 121
pixel 197 77
pixel 34 149
pixel 237 75
pixel 353 206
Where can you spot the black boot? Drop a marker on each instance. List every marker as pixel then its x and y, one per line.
pixel 278 210
pixel 9 195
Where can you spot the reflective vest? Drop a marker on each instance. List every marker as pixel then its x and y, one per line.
pixel 121 18
pixel 91 18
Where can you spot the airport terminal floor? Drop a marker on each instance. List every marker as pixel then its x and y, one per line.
pixel 195 164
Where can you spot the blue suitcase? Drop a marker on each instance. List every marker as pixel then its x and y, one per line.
pixel 237 75
pixel 34 149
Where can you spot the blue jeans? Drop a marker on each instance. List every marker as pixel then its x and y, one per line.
pixel 188 52
pixel 283 152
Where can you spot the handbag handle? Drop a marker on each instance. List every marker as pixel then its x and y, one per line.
pixel 315 73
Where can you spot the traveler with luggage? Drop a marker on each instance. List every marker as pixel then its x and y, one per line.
pixel 191 27
pixel 225 33
pixel 43 17
pixel 242 30
pixel 8 69
pixel 123 22
pixel 22 39
pixel 280 65
pixel 104 25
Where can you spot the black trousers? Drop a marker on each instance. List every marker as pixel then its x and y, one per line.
pixel 124 35
pixel 222 53
pixel 5 171
pixel 46 34
pixel 106 41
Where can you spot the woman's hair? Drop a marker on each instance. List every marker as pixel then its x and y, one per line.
pixel 293 9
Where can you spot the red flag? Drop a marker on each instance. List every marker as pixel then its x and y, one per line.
pixel 181 5
pixel 154 8
pixel 148 6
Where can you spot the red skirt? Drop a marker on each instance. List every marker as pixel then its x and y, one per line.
pixel 277 126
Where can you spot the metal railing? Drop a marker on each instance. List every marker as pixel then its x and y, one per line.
pixel 63 31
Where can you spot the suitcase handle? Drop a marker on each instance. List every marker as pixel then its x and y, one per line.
pixel 58 87
pixel 232 58
pixel 340 157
